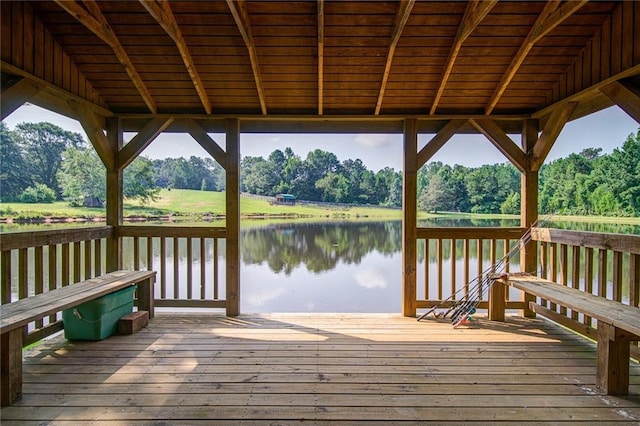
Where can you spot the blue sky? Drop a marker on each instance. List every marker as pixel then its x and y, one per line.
pixel 607 129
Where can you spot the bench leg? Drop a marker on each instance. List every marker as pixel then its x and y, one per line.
pixel 11 367
pixel 145 296
pixel 497 301
pixel 612 376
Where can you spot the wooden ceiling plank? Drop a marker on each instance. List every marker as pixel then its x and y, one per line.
pixel 502 141
pixel 552 15
pixel 162 13
pixel 15 95
pixel 93 19
pixel 239 11
pixel 439 140
pixel 550 133
pixel 93 126
pixel 206 142
pixel 474 14
pixel 402 15
pixel 625 95
pixel 320 57
pixel 147 134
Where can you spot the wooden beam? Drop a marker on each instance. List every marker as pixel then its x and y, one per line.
pixel 93 19
pixel 402 15
pixel 320 57
pixel 240 15
pixel 93 126
pixel 625 95
pixel 439 140
pixel 473 15
pixel 528 210
pixel 552 15
pixel 206 142
pixel 550 133
pixel 149 132
pixel 409 218
pixel 115 203
pixel 500 140
pixel 17 94
pixel 232 167
pixel 161 12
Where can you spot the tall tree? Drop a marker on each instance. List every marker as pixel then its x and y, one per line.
pixel 14 176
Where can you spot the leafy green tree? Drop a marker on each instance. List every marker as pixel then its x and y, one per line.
pixel 14 176
pixel 40 193
pixel 138 182
pixel 81 175
pixel 43 145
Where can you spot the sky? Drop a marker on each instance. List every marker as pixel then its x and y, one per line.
pixel 607 129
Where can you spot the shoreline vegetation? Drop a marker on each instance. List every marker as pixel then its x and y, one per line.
pixel 190 206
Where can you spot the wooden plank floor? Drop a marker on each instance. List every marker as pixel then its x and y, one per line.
pixel 319 369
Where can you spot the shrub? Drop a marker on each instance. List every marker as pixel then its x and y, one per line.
pixel 41 193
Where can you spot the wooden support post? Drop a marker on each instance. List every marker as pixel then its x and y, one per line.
pixel 232 167
pixel 409 218
pixel 497 301
pixel 146 297
pixel 114 196
pixel 612 375
pixel 11 367
pixel 529 208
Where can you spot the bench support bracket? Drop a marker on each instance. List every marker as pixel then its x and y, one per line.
pixel 11 367
pixel 612 376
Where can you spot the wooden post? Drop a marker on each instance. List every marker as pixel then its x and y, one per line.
pixel 497 301
pixel 529 208
pixel 613 352
pixel 11 367
pixel 409 217
pixel 232 167
pixel 114 196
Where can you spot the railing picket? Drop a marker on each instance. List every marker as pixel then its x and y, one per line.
pixel 426 269
pixel 544 268
pixel 65 265
pixel 77 260
pixel 602 272
pixel 453 266
pixel 23 273
pixel 87 259
pixel 136 253
pixel 176 268
pixel 97 256
pixel 564 275
pixel 53 273
pixel 203 267
pixel 5 278
pixel 575 274
pixel 466 267
pixel 553 260
pixel 634 280
pixel 617 276
pixel 588 278
pixel 163 267
pixel 149 253
pixel 216 283
pixel 189 268
pixel 439 260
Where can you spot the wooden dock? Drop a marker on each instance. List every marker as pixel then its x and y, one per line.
pixel 320 369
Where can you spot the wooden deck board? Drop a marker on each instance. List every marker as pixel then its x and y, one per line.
pixel 321 369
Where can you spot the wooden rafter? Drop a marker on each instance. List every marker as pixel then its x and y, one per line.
pixel 552 15
pixel 161 12
pixel 438 141
pixel 473 15
pixel 147 134
pixel 95 21
pixel 402 15
pixel 240 15
pixel 502 141
pixel 625 95
pixel 16 94
pixel 550 133
pixel 93 126
pixel 206 142
pixel 320 57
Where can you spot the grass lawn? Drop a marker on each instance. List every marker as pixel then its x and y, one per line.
pixel 191 203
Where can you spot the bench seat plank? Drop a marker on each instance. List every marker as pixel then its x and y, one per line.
pixel 15 315
pixel 617 314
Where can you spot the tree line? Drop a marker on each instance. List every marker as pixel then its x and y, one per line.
pixel 42 162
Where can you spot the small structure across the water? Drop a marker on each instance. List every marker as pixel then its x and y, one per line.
pixel 287 199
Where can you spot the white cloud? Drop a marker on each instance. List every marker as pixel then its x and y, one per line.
pixel 372 141
pixel 370 278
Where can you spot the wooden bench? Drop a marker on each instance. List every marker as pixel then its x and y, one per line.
pixel 618 324
pixel 14 316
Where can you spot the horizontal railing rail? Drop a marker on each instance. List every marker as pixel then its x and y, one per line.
pixel 187 260
pixel 38 261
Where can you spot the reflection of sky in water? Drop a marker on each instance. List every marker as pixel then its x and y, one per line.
pixel 373 285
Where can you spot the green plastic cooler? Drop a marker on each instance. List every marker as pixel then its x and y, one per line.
pixel 98 319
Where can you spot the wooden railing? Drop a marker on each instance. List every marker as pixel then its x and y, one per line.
pixel 187 260
pixel 34 262
pixel 450 258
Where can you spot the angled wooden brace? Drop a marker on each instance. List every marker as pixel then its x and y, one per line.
pixel 626 95
pixel 93 126
pixel 438 141
pixel 15 95
pixel 206 142
pixel 500 140
pixel 149 132
pixel 550 133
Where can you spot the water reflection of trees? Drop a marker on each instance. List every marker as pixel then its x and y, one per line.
pixel 319 247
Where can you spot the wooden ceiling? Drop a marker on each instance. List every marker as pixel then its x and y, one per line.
pixel 323 58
